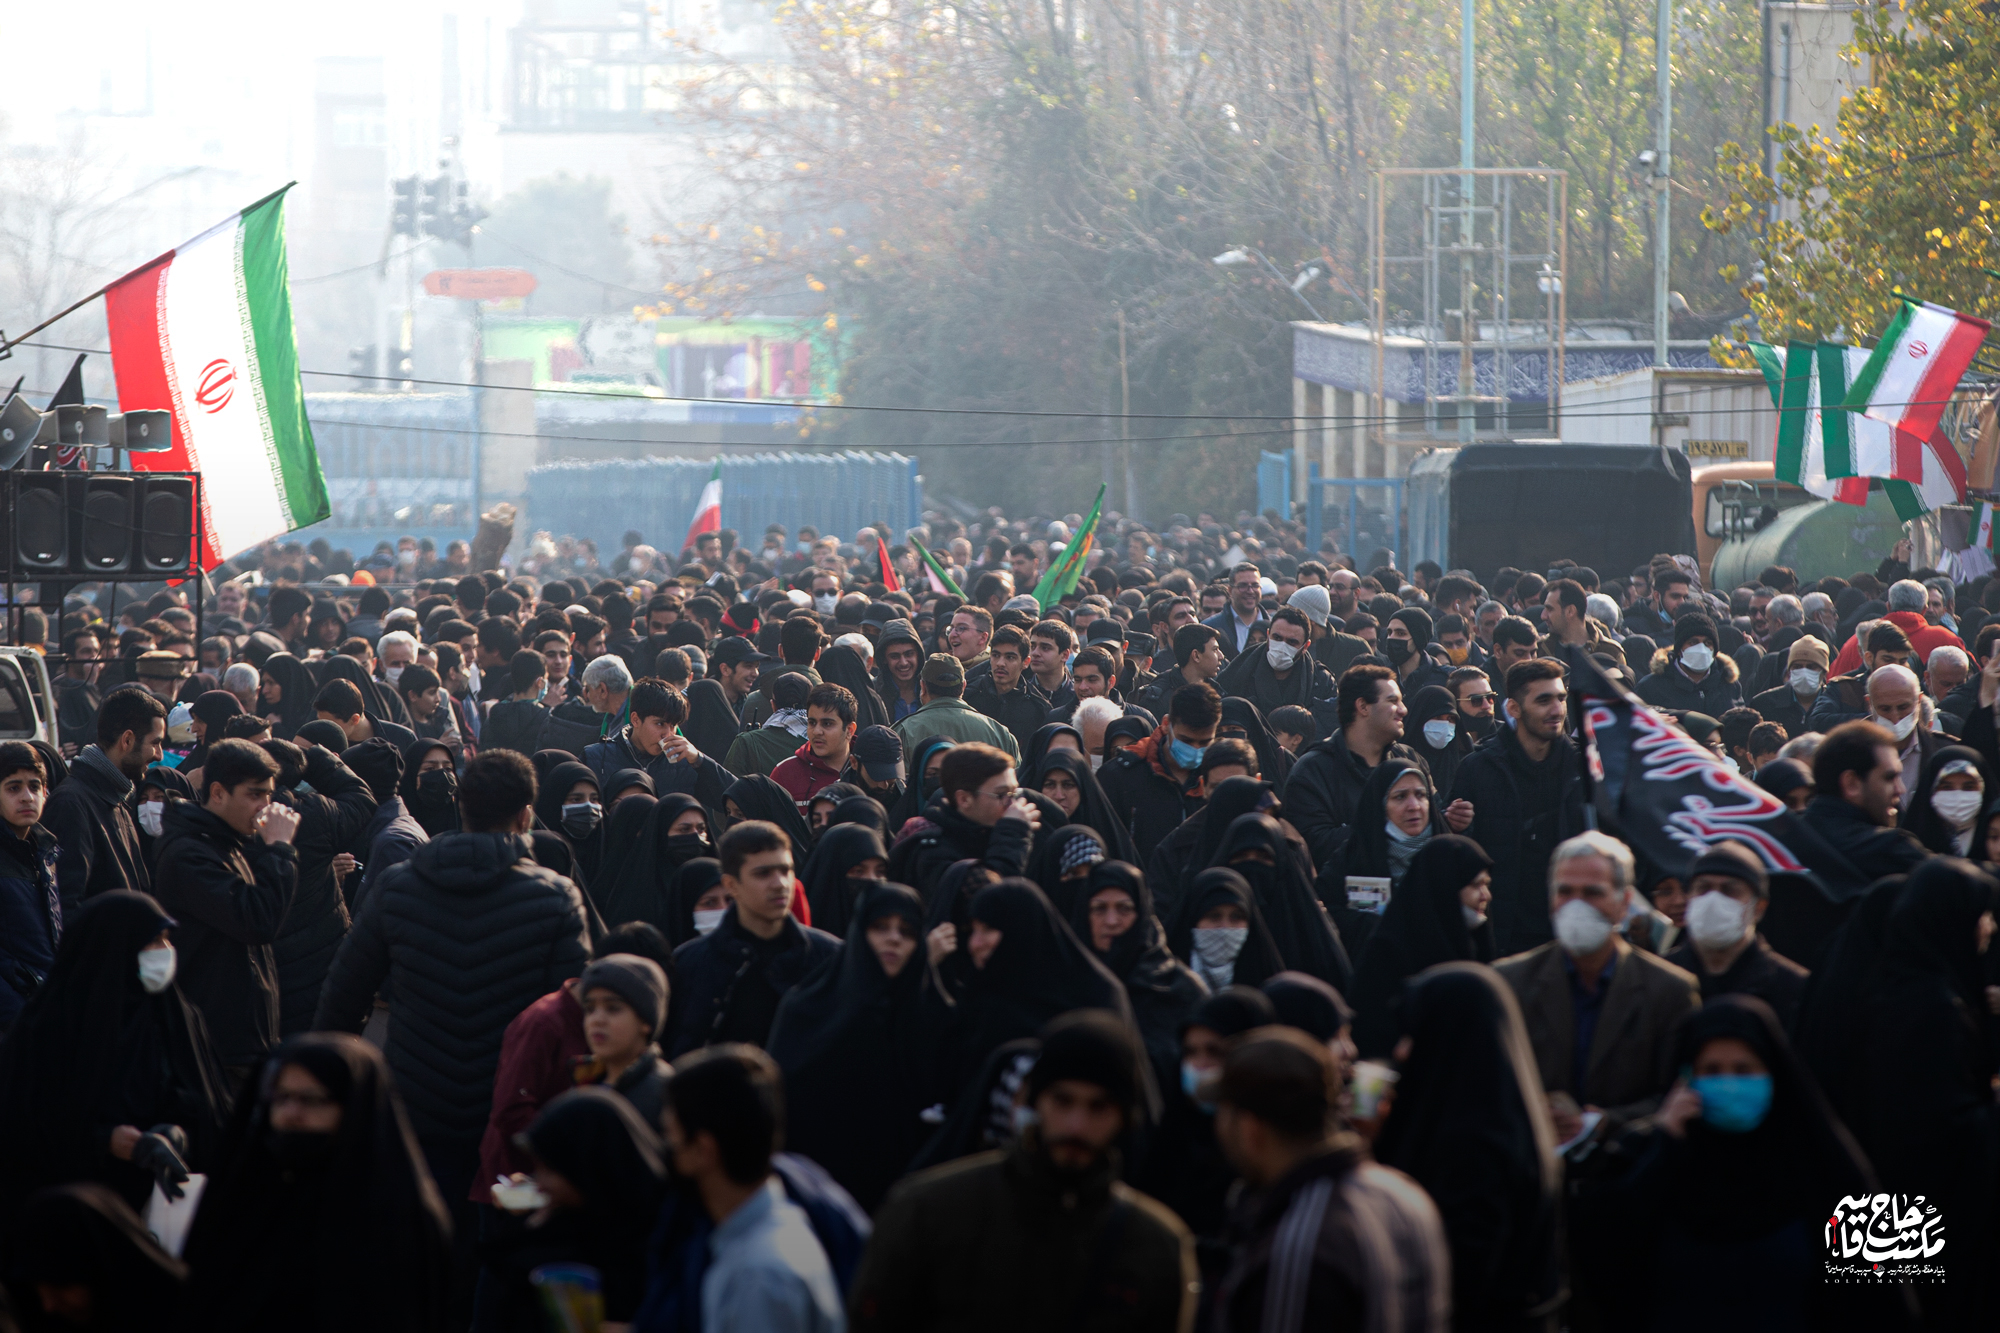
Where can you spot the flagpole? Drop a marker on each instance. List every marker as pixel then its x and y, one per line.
pixel 7 345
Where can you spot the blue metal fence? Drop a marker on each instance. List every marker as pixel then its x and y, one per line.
pixel 1274 483
pixel 836 493
pixel 1383 524
pixel 396 464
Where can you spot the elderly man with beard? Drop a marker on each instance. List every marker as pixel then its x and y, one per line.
pixel 1029 1236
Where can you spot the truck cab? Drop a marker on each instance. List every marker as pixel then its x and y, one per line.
pixel 27 698
pixel 1732 501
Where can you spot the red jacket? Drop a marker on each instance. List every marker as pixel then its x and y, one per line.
pixel 804 776
pixel 1923 637
pixel 538 1058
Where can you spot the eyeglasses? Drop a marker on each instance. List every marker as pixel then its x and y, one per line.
pixel 1485 698
pixel 1002 794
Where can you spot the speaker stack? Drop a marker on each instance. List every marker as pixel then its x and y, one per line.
pixel 92 525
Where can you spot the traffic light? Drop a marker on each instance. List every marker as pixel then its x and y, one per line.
pixel 433 208
pixel 403 213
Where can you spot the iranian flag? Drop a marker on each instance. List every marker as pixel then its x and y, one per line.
pixel 1795 392
pixel 708 509
pixel 207 329
pixel 1914 369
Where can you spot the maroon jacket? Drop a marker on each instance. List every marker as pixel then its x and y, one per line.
pixel 538 1058
pixel 804 776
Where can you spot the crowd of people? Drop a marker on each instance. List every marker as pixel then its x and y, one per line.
pixel 752 940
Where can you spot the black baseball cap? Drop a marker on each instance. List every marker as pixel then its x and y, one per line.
pixel 735 650
pixel 879 751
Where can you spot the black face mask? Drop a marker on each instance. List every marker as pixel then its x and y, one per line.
pixel 437 788
pixel 1398 650
pixel 298 1149
pixel 684 847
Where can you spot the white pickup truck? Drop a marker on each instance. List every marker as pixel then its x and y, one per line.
pixel 27 699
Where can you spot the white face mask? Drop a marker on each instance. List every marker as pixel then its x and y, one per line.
pixel 472 677
pixel 1218 946
pixel 1096 762
pixel 1957 808
pixel 709 920
pixel 1697 657
pixel 1901 730
pixel 1581 927
pixel 824 602
pixel 1440 734
pixel 392 674
pixel 1803 680
pixel 149 817
pixel 1474 919
pixel 156 969
pixel 1716 920
pixel 1280 655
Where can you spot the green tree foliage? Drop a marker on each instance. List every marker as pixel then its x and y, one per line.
pixel 984 189
pixel 561 229
pixel 1901 196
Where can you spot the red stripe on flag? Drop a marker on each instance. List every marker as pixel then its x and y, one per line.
pixel 1921 416
pixel 139 366
pixel 889 580
pixel 1946 454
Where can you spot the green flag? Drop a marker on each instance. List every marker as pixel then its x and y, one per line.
pixel 1061 580
pixel 937 571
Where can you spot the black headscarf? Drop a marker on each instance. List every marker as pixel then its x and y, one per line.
pixel 760 798
pixel 831 892
pixel 626 780
pixel 545 762
pixel 831 796
pixel 1160 988
pixel 1922 820
pixel 299 685
pixel 1274 761
pixel 711 725
pixel 1306 938
pixel 864 810
pixel 593 1138
pixel 93 1049
pixel 626 873
pixel 684 890
pixel 378 701
pixel 844 667
pixel 1840 999
pixel 1037 971
pixel 1219 887
pixel 1134 729
pixel 916 797
pixel 1422 927
pixel 1366 851
pixel 1038 744
pixel 1045 863
pixel 346 1227
pixel 1797 1163
pixel 213 709
pixel 1308 1004
pixel 1431 703
pixel 1470 1125
pixel 588 852
pixel 431 798
pixel 1093 807
pixel 850 1041
pixel 84 1235
pixel 950 902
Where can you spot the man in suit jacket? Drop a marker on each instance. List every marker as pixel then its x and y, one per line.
pixel 1600 1014
pixel 1242 622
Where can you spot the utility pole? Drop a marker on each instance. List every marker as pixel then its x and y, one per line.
pixel 1125 422
pixel 1662 180
pixel 1468 323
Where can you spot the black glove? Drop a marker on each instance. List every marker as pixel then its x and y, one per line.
pixel 163 1151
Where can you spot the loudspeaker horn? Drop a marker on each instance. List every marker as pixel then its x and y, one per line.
pixel 20 423
pixel 84 425
pixel 149 431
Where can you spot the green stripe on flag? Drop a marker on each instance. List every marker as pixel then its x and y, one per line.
pixel 1909 505
pixel 931 562
pixel 267 293
pixel 1836 441
pixel 1862 390
pixel 1061 580
pixel 1796 388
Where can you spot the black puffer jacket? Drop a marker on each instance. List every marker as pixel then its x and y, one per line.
pixel 97 839
pixel 468 932
pixel 331 818
pixel 228 895
pixel 709 969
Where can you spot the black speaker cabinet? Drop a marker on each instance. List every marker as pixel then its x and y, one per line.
pixel 101 506
pixel 166 524
pixel 41 523
pixel 97 525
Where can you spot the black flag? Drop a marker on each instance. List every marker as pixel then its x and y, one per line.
pixel 1671 799
pixel 70 395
